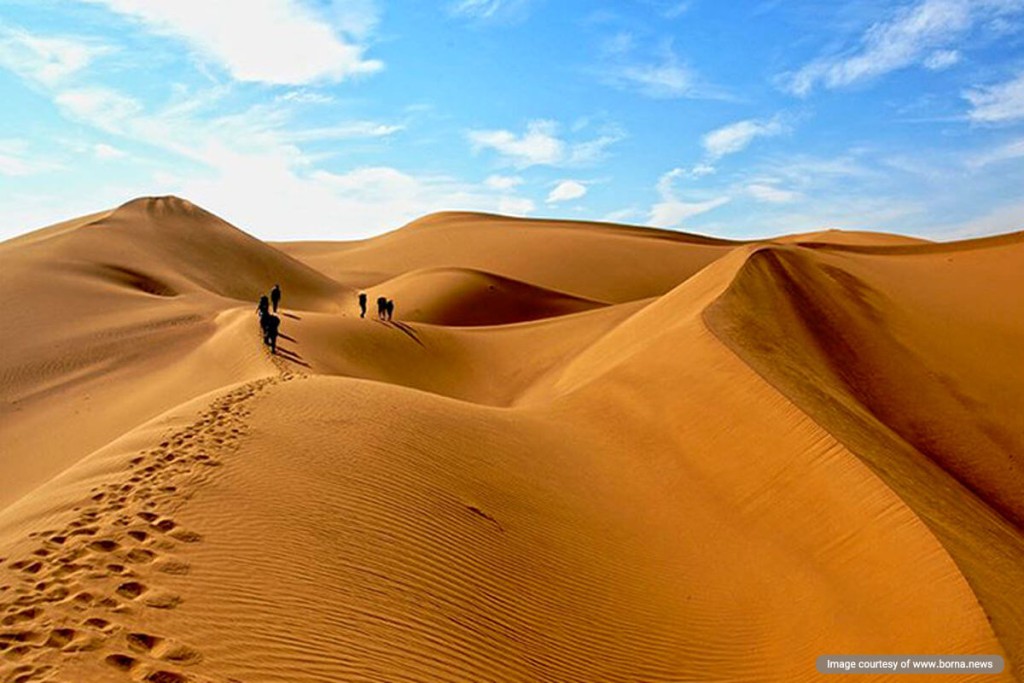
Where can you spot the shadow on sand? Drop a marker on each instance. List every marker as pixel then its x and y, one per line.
pixel 291 356
pixel 405 328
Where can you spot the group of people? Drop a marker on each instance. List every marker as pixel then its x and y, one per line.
pixel 270 323
pixel 385 307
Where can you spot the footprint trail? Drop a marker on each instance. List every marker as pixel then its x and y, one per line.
pixel 74 594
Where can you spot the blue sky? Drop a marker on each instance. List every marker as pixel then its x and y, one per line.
pixel 334 119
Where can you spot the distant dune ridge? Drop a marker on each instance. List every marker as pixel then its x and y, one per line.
pixel 580 452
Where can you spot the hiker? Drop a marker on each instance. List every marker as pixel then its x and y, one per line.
pixel 389 308
pixel 382 306
pixel 362 304
pixel 275 296
pixel 264 306
pixel 270 328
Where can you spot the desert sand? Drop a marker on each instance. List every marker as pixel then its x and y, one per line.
pixel 580 452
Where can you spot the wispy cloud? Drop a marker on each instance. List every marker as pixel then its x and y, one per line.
pixel 503 182
pixel 283 41
pixel 921 34
pixel 663 76
pixel 737 136
pixel 502 11
pixel 1000 103
pixel 1005 152
pixel 16 159
pixel 566 190
pixel 231 156
pixel 542 145
pixel 772 194
pixel 47 60
pixel 343 131
pixel 104 108
pixel 671 211
pixel 106 152
pixel 942 59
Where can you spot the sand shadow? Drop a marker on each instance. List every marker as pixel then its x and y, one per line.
pixel 285 336
pixel 289 315
pixel 405 328
pixel 291 356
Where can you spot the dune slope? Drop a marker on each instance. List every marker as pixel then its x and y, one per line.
pixel 658 458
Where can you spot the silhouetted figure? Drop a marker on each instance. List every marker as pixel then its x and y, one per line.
pixel 382 307
pixel 389 308
pixel 271 323
pixel 264 306
pixel 362 304
pixel 275 296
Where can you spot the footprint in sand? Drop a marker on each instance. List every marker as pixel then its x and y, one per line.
pixel 131 589
pixel 105 541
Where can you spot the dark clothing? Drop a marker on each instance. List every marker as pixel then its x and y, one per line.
pixel 275 297
pixel 362 305
pixel 389 308
pixel 264 306
pixel 270 324
pixel 382 307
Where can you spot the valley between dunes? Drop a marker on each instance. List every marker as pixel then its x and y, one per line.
pixel 580 452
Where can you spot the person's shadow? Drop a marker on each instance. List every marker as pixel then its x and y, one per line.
pixel 405 328
pixel 288 354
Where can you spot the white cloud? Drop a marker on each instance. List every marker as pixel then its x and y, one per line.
pixel 942 59
pixel 304 97
pixel 45 60
pixel 269 41
pixel 250 168
pixel 566 190
pixel 16 159
pixel 343 131
pixel 1000 103
pixel 490 10
pixel 541 145
pixel 671 211
pixel 355 203
pixel 503 182
pixel 700 170
pixel 671 214
pixel 664 79
pixel 920 34
pixel 107 152
pixel 106 109
pixel 772 194
pixel 1005 152
pixel 736 136
pixel 622 216
pixel 515 206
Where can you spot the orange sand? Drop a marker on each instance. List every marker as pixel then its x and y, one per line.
pixel 581 452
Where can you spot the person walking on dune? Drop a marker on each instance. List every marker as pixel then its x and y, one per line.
pixel 389 308
pixel 270 331
pixel 275 296
pixel 264 306
pixel 362 304
pixel 382 305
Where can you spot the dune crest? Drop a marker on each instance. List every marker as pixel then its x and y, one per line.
pixel 580 452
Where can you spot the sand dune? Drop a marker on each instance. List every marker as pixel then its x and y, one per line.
pixel 461 297
pixel 610 263
pixel 581 452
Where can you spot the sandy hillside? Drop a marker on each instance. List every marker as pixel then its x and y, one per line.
pixel 580 452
